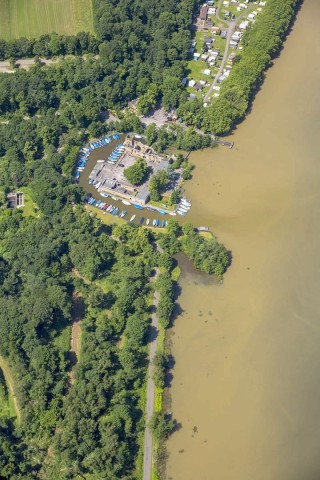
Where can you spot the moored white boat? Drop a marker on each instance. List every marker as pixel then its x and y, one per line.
pixel 132 218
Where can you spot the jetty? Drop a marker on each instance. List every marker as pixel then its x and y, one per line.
pixel 202 229
pixel 225 144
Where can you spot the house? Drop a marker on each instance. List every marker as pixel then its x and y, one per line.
pixel 203 83
pixel 216 30
pixel 233 44
pixel 252 16
pixel 243 25
pixel 211 11
pixel 196 56
pixel 198 87
pixel 224 33
pixel 191 83
pixel 204 12
pixel 204 57
pixel 208 40
pixel 207 71
pixel 209 23
pixel 235 38
pixel 15 200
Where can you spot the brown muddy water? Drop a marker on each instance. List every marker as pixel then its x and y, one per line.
pixel 246 383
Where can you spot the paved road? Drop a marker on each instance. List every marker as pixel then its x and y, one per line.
pixel 9 380
pixel 231 27
pixel 147 455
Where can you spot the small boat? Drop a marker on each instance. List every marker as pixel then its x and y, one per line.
pixel 154 222
pixel 125 202
pixel 157 223
pixel 116 136
pixel 137 206
pixel 147 221
pixel 106 206
pixel 173 214
pixel 109 208
pixel 163 223
pixel 104 194
pixel 123 213
pixel 181 213
pixel 77 175
pixel 184 202
pixel 100 161
pixel 132 218
pixel 141 220
pixel 182 209
pixel 162 212
pixel 115 211
pixel 98 203
pixel 115 198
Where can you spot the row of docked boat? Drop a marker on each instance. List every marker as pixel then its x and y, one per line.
pixel 184 206
pixel 116 211
pixel 116 154
pixel 85 152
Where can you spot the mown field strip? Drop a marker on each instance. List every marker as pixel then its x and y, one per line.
pixel 32 18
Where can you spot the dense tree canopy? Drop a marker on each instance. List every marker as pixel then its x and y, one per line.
pixel 137 173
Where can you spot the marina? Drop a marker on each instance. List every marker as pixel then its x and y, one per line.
pixel 99 188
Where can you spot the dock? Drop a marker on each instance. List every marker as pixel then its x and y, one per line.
pixel 225 144
pixel 202 229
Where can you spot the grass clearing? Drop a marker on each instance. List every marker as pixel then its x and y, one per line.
pixel 32 18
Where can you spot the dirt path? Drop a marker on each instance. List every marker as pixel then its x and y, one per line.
pixel 147 455
pixel 75 333
pixel 10 383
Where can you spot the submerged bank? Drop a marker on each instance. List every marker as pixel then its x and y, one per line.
pixel 245 383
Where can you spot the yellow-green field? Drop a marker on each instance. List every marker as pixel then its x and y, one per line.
pixel 32 18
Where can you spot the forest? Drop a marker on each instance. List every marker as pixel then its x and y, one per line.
pixel 93 427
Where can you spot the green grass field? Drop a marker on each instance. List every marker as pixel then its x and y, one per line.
pixel 32 18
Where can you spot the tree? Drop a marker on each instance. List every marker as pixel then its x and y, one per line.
pixel 187 228
pixel 137 173
pixel 157 185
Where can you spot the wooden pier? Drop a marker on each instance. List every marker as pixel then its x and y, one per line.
pixel 202 229
pixel 225 144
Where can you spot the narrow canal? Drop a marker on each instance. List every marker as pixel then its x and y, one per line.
pixel 103 153
pixel 246 382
